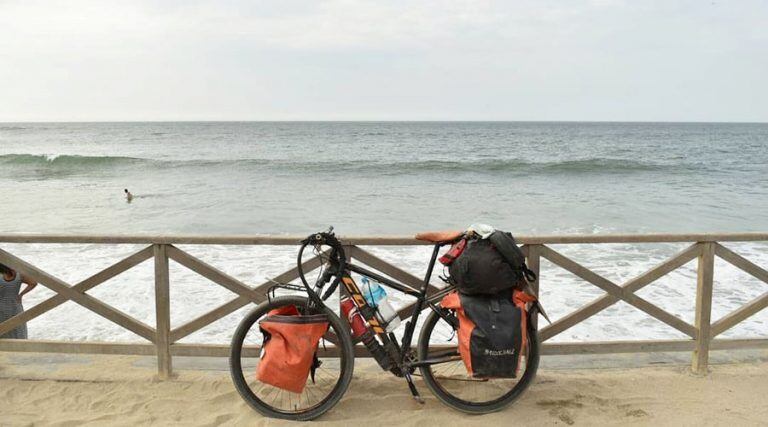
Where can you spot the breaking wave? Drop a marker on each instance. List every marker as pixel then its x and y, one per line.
pixel 493 166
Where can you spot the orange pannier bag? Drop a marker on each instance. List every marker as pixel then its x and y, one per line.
pixel 290 345
pixel 492 332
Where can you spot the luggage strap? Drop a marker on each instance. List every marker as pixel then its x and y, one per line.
pixel 529 274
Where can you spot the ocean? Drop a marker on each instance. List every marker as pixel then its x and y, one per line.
pixel 384 178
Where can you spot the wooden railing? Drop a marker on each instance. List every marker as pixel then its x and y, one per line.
pixel 163 339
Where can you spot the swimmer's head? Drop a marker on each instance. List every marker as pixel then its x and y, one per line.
pixel 126 190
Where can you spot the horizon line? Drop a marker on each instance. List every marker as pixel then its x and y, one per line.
pixel 382 121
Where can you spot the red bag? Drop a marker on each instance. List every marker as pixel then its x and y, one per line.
pixel 466 326
pixel 290 345
pixel 492 332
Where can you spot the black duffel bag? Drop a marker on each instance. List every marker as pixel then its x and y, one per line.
pixel 490 266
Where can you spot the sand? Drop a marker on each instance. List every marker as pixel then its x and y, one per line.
pixel 122 390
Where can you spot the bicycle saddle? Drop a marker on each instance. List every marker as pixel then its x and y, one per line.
pixel 439 236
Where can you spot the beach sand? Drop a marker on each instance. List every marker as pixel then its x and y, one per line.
pixel 64 390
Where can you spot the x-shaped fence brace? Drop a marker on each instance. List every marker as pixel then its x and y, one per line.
pixel 164 337
pixel 626 292
pixel 77 293
pixel 615 293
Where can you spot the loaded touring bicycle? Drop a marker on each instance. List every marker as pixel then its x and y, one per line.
pixel 292 357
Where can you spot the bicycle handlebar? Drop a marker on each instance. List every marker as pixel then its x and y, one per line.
pixel 337 261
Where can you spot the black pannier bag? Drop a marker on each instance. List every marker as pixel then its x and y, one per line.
pixel 492 332
pixel 489 266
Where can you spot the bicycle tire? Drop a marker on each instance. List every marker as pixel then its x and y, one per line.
pixel 346 363
pixel 532 364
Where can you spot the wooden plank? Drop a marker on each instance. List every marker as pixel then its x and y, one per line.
pixel 611 347
pixel 641 238
pixel 741 263
pixel 144 349
pixel 576 317
pixel 239 302
pixel 390 270
pixel 676 261
pixel 223 279
pixel 739 315
pixel 79 347
pixel 207 318
pixel 617 291
pixel 664 316
pixel 104 310
pixel 222 350
pixel 163 313
pixel 752 307
pixel 82 287
pixel 734 344
pixel 213 274
pixel 396 273
pixel 703 307
pixel 153 239
pixel 218 350
pixel 662 269
pixel 212 350
pixel 370 240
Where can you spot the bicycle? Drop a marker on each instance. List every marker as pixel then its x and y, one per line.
pixel 440 366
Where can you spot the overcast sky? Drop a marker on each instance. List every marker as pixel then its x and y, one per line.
pixel 384 60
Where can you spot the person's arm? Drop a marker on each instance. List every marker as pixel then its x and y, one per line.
pixel 30 285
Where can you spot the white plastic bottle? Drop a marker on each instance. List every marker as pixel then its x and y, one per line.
pixel 376 296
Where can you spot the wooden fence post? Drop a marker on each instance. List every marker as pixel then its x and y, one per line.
pixel 705 274
pixel 534 263
pixel 163 313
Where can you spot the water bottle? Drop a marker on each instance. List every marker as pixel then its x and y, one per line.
pixel 372 291
pixel 376 296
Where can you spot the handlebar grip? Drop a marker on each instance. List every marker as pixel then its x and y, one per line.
pixel 322 238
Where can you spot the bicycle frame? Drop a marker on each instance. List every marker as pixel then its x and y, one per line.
pixel 402 351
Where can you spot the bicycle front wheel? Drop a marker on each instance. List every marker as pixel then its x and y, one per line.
pixel 331 380
pixel 450 381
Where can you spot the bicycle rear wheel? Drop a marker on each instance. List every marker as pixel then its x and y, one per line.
pixel 450 381
pixel 331 379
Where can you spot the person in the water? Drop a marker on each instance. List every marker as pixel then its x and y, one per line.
pixel 128 196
